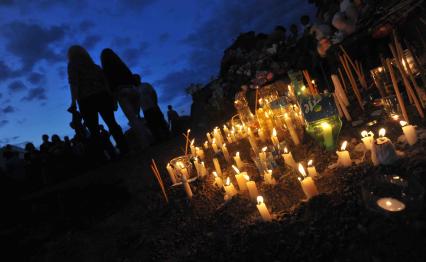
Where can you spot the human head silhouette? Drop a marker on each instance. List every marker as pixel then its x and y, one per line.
pixel 45 138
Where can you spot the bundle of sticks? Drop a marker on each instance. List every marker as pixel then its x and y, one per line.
pixel 157 175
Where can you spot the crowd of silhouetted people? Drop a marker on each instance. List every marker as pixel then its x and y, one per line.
pixel 97 91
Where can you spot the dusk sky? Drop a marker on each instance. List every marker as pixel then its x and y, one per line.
pixel 170 43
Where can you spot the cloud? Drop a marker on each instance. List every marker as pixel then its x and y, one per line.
pixel 163 37
pixel 5 71
pixel 31 43
pixel 121 41
pixel 35 78
pixel 132 55
pixel 86 25
pixel 91 41
pixel 16 86
pixel 3 122
pixel 38 93
pixel 6 2
pixel 8 109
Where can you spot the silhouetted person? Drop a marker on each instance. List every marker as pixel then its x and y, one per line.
pixel 106 141
pixel 33 165
pixel 122 84
pixel 174 120
pixel 89 89
pixel 77 123
pixel 151 111
pixel 294 34
pixel 45 145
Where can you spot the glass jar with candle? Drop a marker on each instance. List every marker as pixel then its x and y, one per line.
pixel 182 165
pixel 391 105
pixel 243 109
pixel 325 131
pixel 300 89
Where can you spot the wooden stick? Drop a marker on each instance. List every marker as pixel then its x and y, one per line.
pixel 352 81
pixel 159 179
pixel 308 79
pixel 417 63
pixel 338 105
pixel 396 89
pixel 343 79
pixel 407 85
pixel 187 141
pixel 357 69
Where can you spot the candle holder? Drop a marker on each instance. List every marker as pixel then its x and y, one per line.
pixel 392 194
pixel 300 90
pixel 180 162
pixel 326 131
pixel 391 105
pixel 244 112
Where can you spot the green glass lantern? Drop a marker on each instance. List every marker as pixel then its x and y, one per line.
pixel 322 120
pixel 300 89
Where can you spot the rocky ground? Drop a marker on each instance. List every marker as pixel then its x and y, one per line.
pixel 117 213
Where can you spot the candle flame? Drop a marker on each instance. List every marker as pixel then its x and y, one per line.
pixel 285 150
pixel 202 163
pixel 302 170
pixel 192 142
pixel 325 125
pixel 224 127
pixel 310 162
pixel 224 145
pixel 187 131
pixel 259 200
pixel 395 117
pixel 285 115
pixel 236 169
pixel 313 81
pixel 388 203
pixel 237 154
pixel 264 149
pixel 382 132
pixel 246 177
pixel 214 141
pixel 364 133
pixel 274 132
pixel 214 174
pixel 403 123
pixel 228 181
pixel 344 144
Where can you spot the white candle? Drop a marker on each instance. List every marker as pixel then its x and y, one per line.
pixel 367 139
pixel 251 186
pixel 193 152
pixel 200 153
pixel 409 132
pixel 197 167
pixel 240 178
pixel 343 154
pixel 233 134
pixel 307 183
pixel 226 153
pixel 186 186
pixel 312 171
pixel 238 161
pixel 209 137
pixel 217 166
pixel 262 157
pixel 327 133
pixel 291 129
pixel 203 169
pixel 229 139
pixel 253 144
pixel 171 172
pixel 267 176
pixel 229 188
pixel 226 130
pixel 288 159
pixel 217 180
pixel 390 204
pixel 214 146
pixel 206 145
pixel 261 133
pixel 274 138
pixel 264 213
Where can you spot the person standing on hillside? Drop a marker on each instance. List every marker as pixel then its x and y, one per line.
pixel 151 111
pixel 174 120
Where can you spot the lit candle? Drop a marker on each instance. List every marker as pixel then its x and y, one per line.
pixel 209 137
pixel 240 179
pixel 383 151
pixel 261 134
pixel 409 132
pixel 217 180
pixel 182 169
pixel 229 139
pixel 264 213
pixel 217 166
pixel 214 146
pixel 238 161
pixel 200 153
pixel 226 130
pixel 262 156
pixel 253 144
pixel 229 188
pixel 197 166
pixel 206 145
pixel 288 159
pixel 307 183
pixel 186 186
pixel 327 133
pixel 267 176
pixel 312 171
pixel 390 204
pixel 343 154
pixel 274 138
pixel 226 153
pixel 367 139
pixel 203 169
pixel 193 152
pixel 171 172
pixel 252 188
pixel 291 129
pixel 233 134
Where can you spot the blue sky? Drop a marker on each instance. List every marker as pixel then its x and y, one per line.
pixel 170 43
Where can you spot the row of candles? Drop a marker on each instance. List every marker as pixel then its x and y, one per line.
pixel 215 139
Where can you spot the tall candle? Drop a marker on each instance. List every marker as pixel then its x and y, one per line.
pixel 367 139
pixel 261 133
pixel 209 137
pixel 206 145
pixel 344 157
pixel 251 186
pixel 217 166
pixel 238 161
pixel 214 146
pixel 186 186
pixel 171 172
pixel 197 167
pixel 200 153
pixel 327 133
pixel 264 213
pixel 226 153
pixel 203 169
pixel 226 130
pixel 240 178
pixel 312 171
pixel 229 138
pixel 193 152
pixel 307 183
pixel 291 129
pixel 267 176
pixel 288 159
pixel 233 134
pixel 229 188
pixel 274 138
pixel 262 156
pixel 217 180
pixel 409 132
